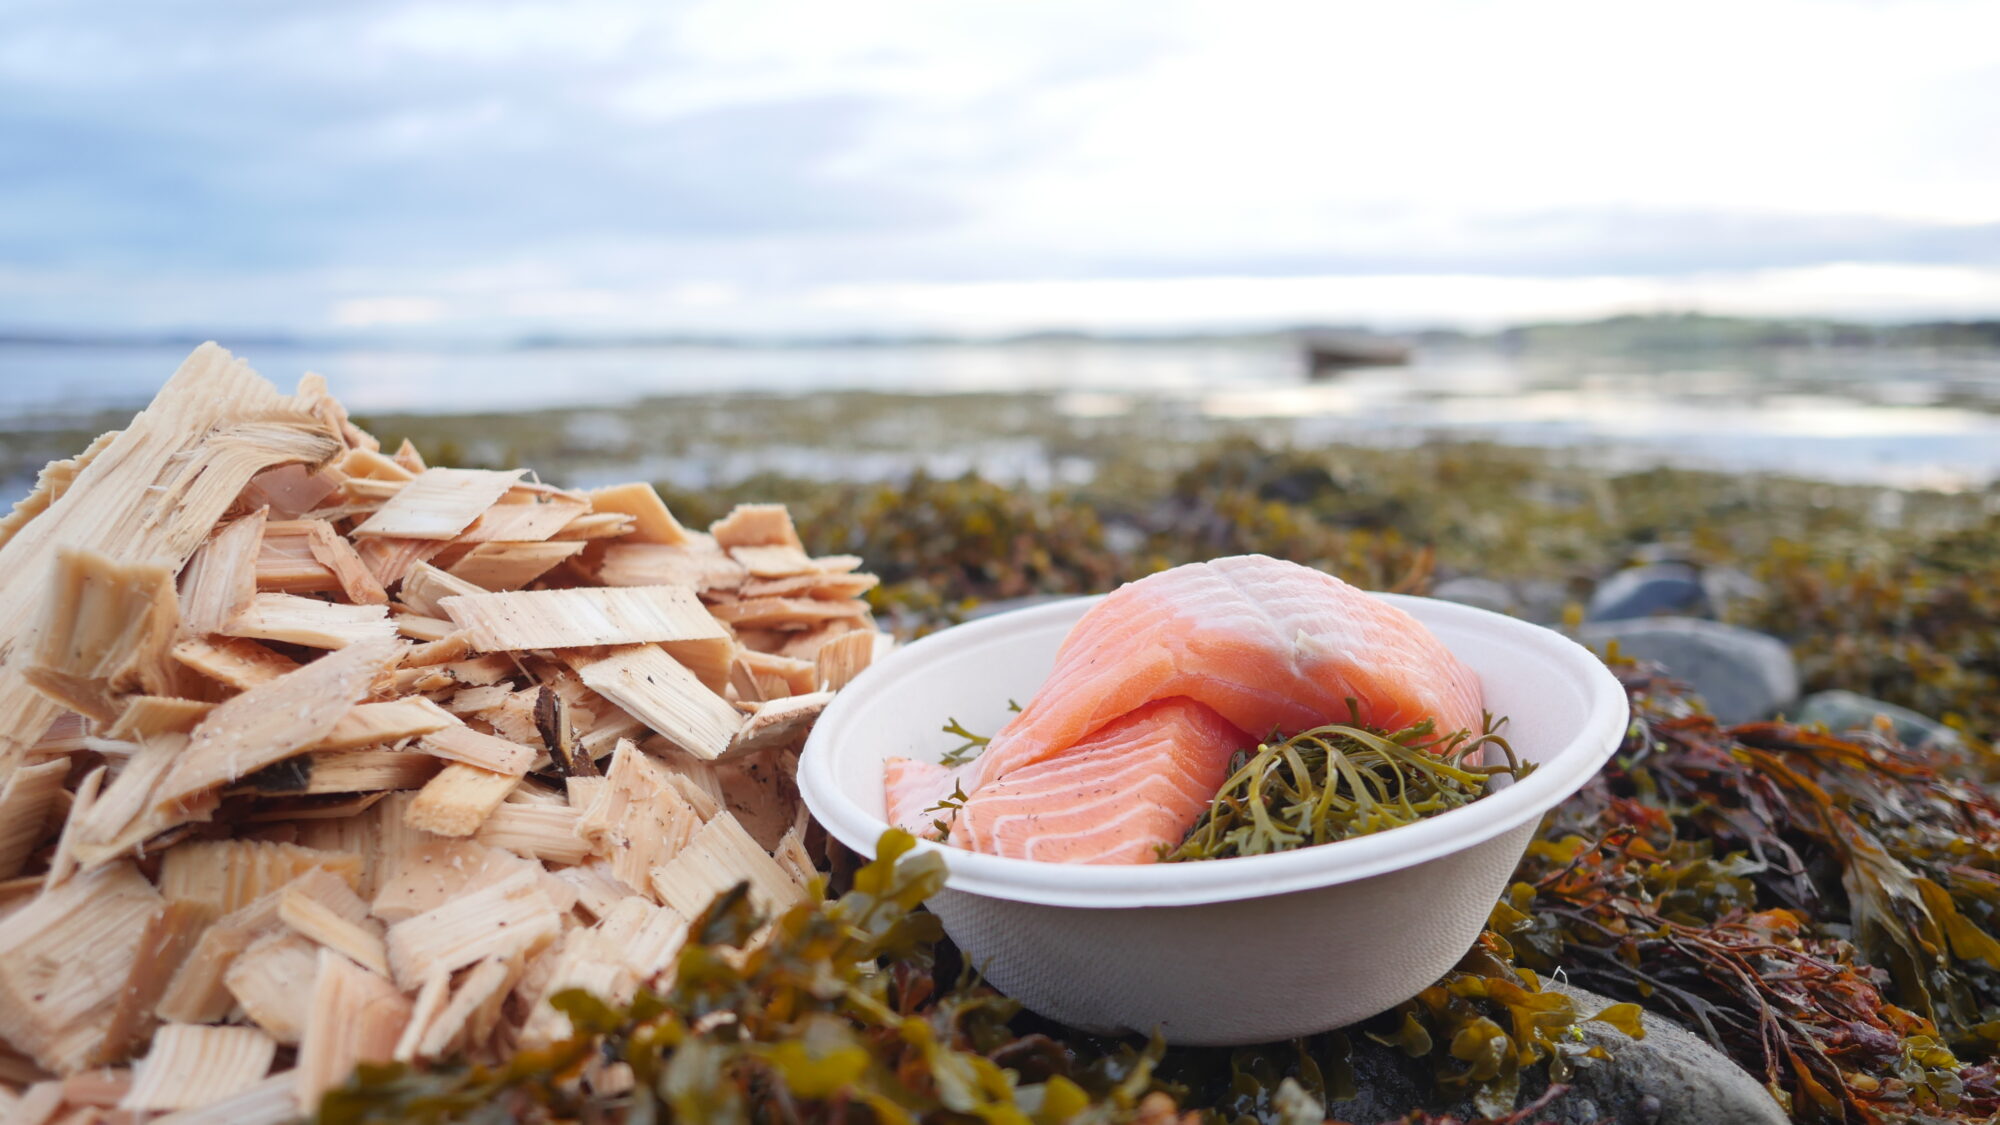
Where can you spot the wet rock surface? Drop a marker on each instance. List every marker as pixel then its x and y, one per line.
pixel 1647 590
pixel 1481 593
pixel 1847 710
pixel 1743 675
pixel 1670 1077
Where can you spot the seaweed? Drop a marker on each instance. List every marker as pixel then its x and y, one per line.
pixel 1342 780
pixel 827 1013
pixel 1821 907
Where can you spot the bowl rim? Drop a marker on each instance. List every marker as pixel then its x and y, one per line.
pixel 1128 886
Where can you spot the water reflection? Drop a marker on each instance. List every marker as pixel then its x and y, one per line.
pixel 1901 416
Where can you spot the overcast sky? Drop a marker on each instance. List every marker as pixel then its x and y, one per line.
pixel 491 169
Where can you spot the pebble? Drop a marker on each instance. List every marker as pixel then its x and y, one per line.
pixel 1670 1077
pixel 1643 591
pixel 1743 675
pixel 1847 710
pixel 1482 593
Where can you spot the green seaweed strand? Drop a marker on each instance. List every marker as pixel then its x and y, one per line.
pixel 1342 780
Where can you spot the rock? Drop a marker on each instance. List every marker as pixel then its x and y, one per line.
pixel 1742 674
pixel 1482 593
pixel 1846 710
pixel 1728 587
pixel 1643 591
pixel 1671 1077
pixel 1123 538
pixel 1543 600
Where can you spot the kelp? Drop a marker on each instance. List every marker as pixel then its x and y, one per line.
pixel 831 1014
pixel 1821 907
pixel 1342 780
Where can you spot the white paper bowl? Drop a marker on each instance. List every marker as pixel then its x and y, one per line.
pixel 1230 951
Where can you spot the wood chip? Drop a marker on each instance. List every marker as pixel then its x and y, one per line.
pixel 507 918
pixel 274 1101
pixel 30 803
pixel 285 561
pixel 655 688
pixel 105 1086
pixel 779 724
pixel 170 936
pixel 271 981
pixel 756 525
pixel 378 848
pixel 841 659
pixel 288 491
pixel 107 632
pixel 352 576
pixel 371 724
pixel 152 494
pixel 510 566
pixel 310 622
pixel 198 992
pixel 597 525
pixel 229 875
pixel 648 564
pixel 276 719
pixel 426 585
pixel 221 578
pixel 772 562
pixel 191 1065
pixel 329 912
pixel 485 982
pixel 653 523
pixel 234 661
pixel 460 743
pixel 342 771
pixel 459 799
pixel 390 559
pixel 637 819
pixel 146 715
pixel 438 504
pixel 550 619
pixel 796 676
pixel 356 1017
pixel 787 613
pixel 719 856
pixel 425 629
pixel 65 958
pixel 537 832
pixel 538 518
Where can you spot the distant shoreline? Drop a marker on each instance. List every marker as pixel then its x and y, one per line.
pixel 1616 334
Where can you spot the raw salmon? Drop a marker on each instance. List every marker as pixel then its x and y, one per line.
pixel 1266 645
pixel 1136 783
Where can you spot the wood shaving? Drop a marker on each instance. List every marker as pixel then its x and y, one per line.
pixel 346 711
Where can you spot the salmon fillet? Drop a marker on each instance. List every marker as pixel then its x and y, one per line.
pixel 1265 645
pixel 1137 783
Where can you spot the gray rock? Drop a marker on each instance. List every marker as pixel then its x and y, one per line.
pixel 1672 1072
pixel 1728 587
pixel 1483 593
pixel 1669 1077
pixel 1846 710
pixel 1543 600
pixel 1742 674
pixel 1643 591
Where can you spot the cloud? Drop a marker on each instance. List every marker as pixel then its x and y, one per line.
pixel 595 163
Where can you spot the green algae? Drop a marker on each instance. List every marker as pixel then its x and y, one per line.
pixel 1340 781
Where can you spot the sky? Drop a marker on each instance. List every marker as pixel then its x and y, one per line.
pixel 607 166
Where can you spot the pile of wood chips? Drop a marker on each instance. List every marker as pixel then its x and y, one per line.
pixel 311 755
